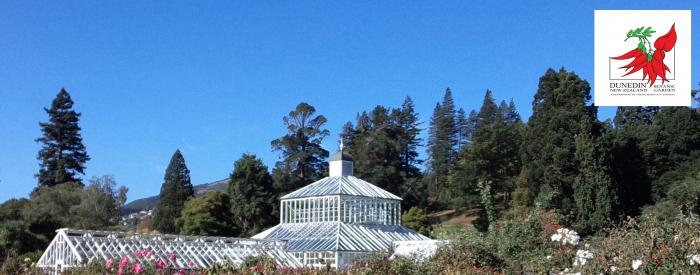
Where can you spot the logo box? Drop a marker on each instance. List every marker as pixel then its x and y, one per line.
pixel 642 58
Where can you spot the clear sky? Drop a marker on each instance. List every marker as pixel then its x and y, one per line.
pixel 215 78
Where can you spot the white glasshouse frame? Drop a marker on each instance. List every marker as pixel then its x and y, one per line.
pixel 72 248
pixel 343 208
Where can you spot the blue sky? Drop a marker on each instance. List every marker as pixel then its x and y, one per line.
pixel 215 78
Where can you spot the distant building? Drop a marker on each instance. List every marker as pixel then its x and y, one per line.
pixel 339 219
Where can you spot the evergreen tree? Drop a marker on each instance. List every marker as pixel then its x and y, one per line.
pixel 252 195
pixel 550 168
pixel 442 144
pixel 462 123
pixel 304 160
pixel 594 191
pixel 62 156
pixel 415 218
pixel 491 157
pixel 208 215
pixel 408 128
pixel 376 151
pixel 176 189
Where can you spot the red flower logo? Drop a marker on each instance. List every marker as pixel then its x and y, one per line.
pixel 645 58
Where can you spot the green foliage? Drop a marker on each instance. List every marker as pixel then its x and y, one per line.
pixel 49 209
pixel 304 159
pixel 208 215
pixel 548 149
pixel 594 191
pixel 252 195
pixel 176 189
pixel 442 145
pixel 492 154
pixel 100 204
pixel 384 145
pixel 416 218
pixel 62 156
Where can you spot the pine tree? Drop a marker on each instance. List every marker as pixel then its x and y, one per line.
pixel 491 157
pixel 594 191
pixel 304 160
pixel 463 134
pixel 408 124
pixel 176 189
pixel 442 144
pixel 252 195
pixel 550 168
pixel 62 156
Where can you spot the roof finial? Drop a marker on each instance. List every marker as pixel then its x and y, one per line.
pixel 340 147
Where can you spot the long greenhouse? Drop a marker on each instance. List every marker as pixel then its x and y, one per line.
pixel 71 248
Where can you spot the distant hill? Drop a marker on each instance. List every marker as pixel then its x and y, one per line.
pixel 150 202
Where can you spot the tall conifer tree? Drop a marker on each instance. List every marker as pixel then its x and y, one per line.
pixel 252 195
pixel 442 144
pixel 62 156
pixel 550 166
pixel 176 189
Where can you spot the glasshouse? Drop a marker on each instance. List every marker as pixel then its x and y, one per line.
pixel 339 219
pixel 71 248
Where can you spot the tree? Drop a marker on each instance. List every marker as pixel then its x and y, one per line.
pixel 304 160
pixel 415 218
pixel 176 189
pixel 49 209
pixel 100 204
pixel 62 156
pixel 549 164
pixel 376 151
pixel 252 195
pixel 594 190
pixel 408 131
pixel 442 144
pixel 492 155
pixel 208 215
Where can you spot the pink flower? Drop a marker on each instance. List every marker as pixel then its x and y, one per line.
pixel 190 263
pixel 136 269
pixel 181 272
pixel 124 261
pixel 109 264
pixel 149 252
pixel 120 271
pixel 138 254
pixel 173 256
pixel 160 264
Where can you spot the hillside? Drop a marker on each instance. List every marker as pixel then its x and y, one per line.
pixel 150 202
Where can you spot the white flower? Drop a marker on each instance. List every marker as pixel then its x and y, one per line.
pixel 549 257
pixel 565 236
pixel 582 256
pixel 636 264
pixel 556 237
pixel 694 259
pixel 613 268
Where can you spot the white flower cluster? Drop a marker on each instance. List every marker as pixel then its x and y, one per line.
pixel 636 264
pixel 565 236
pixel 694 259
pixel 582 256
